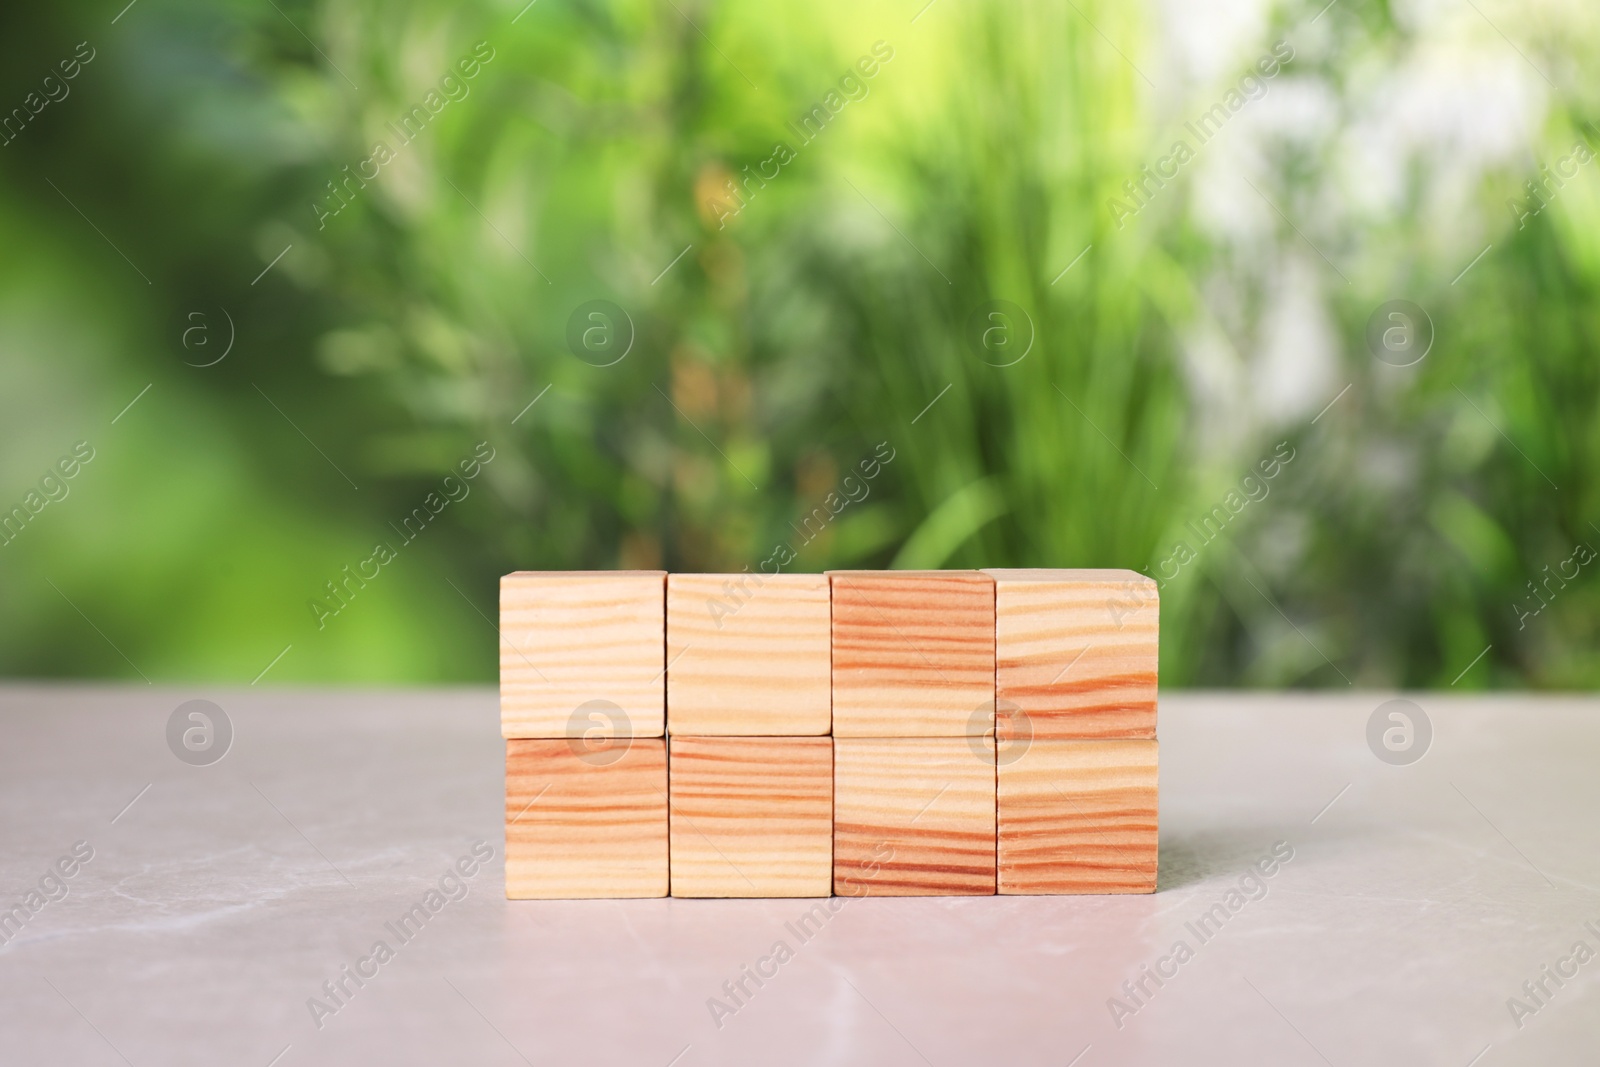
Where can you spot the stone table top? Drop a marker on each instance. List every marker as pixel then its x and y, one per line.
pixel 1444 911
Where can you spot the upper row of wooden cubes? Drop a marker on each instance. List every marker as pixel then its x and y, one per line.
pixel 1062 654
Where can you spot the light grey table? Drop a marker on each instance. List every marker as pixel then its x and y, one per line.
pixel 1418 902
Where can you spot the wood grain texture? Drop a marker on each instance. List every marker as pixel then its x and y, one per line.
pixel 748 655
pixel 586 821
pixel 913 816
pixel 1079 817
pixel 751 816
pixel 571 637
pixel 1076 651
pixel 913 653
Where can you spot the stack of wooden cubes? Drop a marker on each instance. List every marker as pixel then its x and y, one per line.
pixel 861 733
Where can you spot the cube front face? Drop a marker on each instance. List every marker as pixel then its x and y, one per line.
pixel 586 820
pixel 751 816
pixel 913 653
pixel 583 653
pixel 749 655
pixel 1078 817
pixel 1076 652
pixel 914 816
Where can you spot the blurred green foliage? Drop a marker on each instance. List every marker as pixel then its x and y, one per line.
pixel 784 329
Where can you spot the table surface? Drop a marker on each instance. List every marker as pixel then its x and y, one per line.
pixel 1418 901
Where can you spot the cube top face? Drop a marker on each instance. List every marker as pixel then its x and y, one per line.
pixel 748 655
pixel 914 816
pixel 1079 817
pixel 1118 575
pixel 751 816
pixel 913 653
pixel 1076 652
pixel 584 822
pixel 583 653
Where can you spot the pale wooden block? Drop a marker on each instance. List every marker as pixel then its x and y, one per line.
pixel 1079 817
pixel 1076 651
pixel 913 653
pixel 748 655
pixel 913 816
pixel 569 638
pixel 586 820
pixel 751 816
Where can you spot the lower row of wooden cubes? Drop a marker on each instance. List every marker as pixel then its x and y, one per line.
pixel 810 816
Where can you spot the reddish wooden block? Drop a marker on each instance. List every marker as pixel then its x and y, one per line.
pixel 913 653
pixel 751 816
pixel 1076 652
pixel 586 819
pixel 583 653
pixel 748 655
pixel 1078 817
pixel 913 816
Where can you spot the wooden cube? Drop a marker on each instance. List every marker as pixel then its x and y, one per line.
pixel 1079 817
pixel 586 819
pixel 748 655
pixel 913 816
pixel 583 653
pixel 913 653
pixel 751 816
pixel 1076 651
